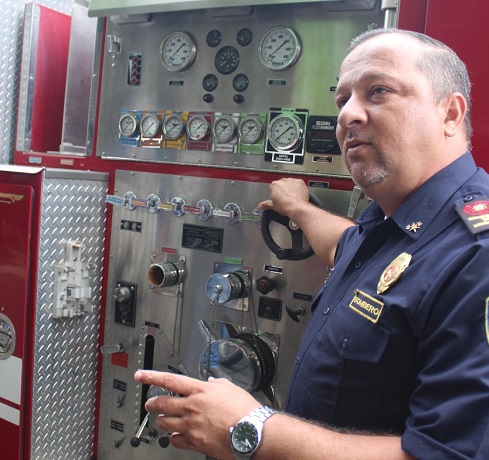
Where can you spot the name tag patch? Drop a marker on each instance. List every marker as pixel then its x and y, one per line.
pixel 366 306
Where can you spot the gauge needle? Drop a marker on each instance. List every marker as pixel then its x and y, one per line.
pixel 283 43
pixel 197 128
pixel 180 47
pixel 280 135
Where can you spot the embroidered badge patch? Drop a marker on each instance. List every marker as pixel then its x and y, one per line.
pixel 393 272
pixel 366 306
pixel 475 215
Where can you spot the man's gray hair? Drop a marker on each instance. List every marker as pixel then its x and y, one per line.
pixel 441 65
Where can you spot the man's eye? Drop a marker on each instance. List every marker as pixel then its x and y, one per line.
pixel 378 90
pixel 341 102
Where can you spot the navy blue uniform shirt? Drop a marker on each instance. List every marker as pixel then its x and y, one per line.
pixel 413 359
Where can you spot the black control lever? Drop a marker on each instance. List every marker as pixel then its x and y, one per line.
pixel 137 439
pixel 298 251
pixel 294 314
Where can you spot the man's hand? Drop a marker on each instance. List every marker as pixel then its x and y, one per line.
pixel 285 196
pixel 200 419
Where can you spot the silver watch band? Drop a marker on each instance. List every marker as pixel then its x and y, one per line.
pixel 256 418
pixel 262 413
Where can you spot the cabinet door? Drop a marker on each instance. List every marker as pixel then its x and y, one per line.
pixel 15 241
pixel 463 27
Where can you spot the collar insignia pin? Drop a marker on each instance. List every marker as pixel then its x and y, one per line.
pixel 414 226
pixel 393 272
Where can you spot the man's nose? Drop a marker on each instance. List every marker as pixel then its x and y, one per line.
pixel 352 113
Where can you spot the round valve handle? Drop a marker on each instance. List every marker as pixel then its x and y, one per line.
pixel 297 251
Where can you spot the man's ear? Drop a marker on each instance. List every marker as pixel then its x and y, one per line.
pixel 455 107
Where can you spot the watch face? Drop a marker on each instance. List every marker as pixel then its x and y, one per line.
pixel 244 438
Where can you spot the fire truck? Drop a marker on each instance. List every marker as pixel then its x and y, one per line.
pixel 138 139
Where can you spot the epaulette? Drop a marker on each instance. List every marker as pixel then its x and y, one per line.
pixel 475 215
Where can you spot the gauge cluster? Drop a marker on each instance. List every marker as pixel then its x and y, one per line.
pixel 278 134
pixel 283 135
pixel 202 131
pixel 244 88
pixel 278 50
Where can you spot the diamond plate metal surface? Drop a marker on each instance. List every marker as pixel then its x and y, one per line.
pixel 65 366
pixel 11 19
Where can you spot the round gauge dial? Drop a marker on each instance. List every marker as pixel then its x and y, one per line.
pixel 250 130
pixel 173 127
pixel 128 125
pixel 244 36
pixel 240 82
pixel 198 128
pixel 154 392
pixel 209 82
pixel 280 48
pixel 213 38
pixel 150 125
pixel 224 129
pixel 285 132
pixel 226 60
pixel 177 51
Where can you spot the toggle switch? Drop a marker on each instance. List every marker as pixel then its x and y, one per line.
pixel 294 314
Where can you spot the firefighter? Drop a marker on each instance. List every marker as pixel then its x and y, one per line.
pixel 394 363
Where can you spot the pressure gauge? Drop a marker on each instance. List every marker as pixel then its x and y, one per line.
pixel 177 51
pixel 244 36
pixel 224 129
pixel 227 60
pixel 128 125
pixel 154 392
pixel 241 82
pixel 250 130
pixel 210 82
pixel 173 127
pixel 285 132
pixel 213 38
pixel 150 125
pixel 198 128
pixel 280 48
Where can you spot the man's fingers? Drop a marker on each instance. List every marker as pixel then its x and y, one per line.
pixel 178 440
pixel 264 205
pixel 179 384
pixel 169 424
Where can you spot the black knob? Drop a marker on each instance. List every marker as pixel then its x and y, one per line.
pixel 265 285
pixel 135 442
pixel 208 97
pixel 238 98
pixel 280 254
pixel 164 442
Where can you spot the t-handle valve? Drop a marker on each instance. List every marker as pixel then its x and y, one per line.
pixel 137 439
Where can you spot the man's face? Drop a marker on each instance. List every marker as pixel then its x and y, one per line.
pixel 389 126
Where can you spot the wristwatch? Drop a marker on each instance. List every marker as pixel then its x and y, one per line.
pixel 246 435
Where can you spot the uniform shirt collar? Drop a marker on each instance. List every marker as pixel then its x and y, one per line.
pixel 421 207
